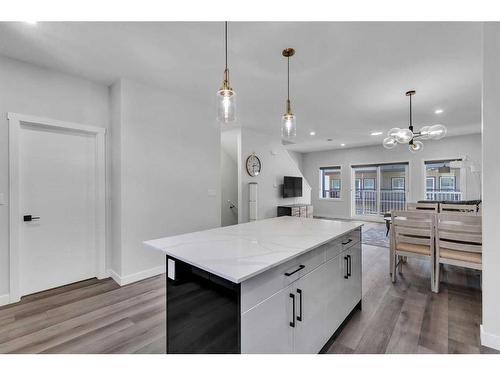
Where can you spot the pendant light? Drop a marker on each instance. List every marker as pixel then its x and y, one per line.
pixel 226 103
pixel 408 136
pixel 288 120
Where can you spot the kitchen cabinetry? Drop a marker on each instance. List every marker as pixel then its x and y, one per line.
pixel 301 317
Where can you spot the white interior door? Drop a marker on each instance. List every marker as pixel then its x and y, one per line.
pixel 57 183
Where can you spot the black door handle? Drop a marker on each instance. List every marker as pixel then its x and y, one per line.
pixel 349 263
pixel 346 267
pixel 30 218
pixel 345 243
pixel 292 323
pixel 297 270
pixel 299 317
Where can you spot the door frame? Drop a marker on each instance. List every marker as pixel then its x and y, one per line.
pixel 16 120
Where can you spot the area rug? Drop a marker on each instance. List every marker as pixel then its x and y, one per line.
pixel 375 237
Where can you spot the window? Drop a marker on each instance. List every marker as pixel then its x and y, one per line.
pixel 442 182
pixel 430 183
pixel 357 183
pixel 331 182
pixel 397 183
pixel 368 184
pixel 379 188
pixel 447 183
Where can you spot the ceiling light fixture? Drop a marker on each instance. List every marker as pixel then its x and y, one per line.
pixel 376 133
pixel 226 106
pixel 438 111
pixel 342 144
pixel 288 120
pixel 397 135
pixel 312 133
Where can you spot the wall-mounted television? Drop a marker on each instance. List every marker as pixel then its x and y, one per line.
pixel 292 187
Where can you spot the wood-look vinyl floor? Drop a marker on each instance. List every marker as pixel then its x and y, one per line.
pixel 97 316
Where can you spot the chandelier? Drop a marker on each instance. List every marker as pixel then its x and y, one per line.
pixel 410 137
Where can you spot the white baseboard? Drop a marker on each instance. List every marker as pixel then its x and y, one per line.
pixel 138 276
pixel 4 299
pixel 490 340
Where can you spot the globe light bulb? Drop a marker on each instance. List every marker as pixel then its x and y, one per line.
pixel 437 131
pixel 389 143
pixel 416 146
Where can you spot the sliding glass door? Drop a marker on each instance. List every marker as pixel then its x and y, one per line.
pixel 379 188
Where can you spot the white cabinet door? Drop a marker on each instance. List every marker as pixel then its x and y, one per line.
pixel 335 301
pixel 311 291
pixel 354 280
pixel 266 327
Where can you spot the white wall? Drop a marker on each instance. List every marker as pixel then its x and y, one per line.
pixel 229 176
pixel 169 171
pixel 451 147
pixel 490 329
pixel 274 168
pixel 298 159
pixel 32 90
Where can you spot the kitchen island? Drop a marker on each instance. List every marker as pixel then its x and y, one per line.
pixel 280 285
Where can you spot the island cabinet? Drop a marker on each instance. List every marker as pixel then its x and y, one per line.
pixel 279 285
pixel 300 312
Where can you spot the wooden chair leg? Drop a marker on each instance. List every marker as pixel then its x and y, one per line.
pixel 437 277
pixel 393 266
pixel 400 264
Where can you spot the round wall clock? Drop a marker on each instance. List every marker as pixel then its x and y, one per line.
pixel 254 166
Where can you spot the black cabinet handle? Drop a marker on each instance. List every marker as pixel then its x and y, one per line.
pixel 30 218
pixel 349 265
pixel 297 270
pixel 346 268
pixel 299 317
pixel 292 323
pixel 345 243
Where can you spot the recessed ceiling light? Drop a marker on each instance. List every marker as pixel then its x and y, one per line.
pixel 376 133
pixel 342 144
pixel 312 133
pixel 438 111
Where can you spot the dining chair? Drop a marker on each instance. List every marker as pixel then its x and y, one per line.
pixel 433 207
pixel 458 242
pixel 412 235
pixel 464 209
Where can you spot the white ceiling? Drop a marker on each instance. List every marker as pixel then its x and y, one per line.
pixel 347 78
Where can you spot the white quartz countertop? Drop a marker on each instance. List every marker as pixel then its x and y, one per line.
pixel 239 252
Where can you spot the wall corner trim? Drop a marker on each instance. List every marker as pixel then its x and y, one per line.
pixel 138 276
pixel 490 340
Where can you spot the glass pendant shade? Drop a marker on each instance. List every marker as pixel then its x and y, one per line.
pixel 416 146
pixel 404 136
pixel 425 132
pixel 288 125
pixel 437 131
pixel 226 106
pixel 389 143
pixel 392 133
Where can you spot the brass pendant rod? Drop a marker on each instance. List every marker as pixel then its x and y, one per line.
pixel 288 79
pixel 225 40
